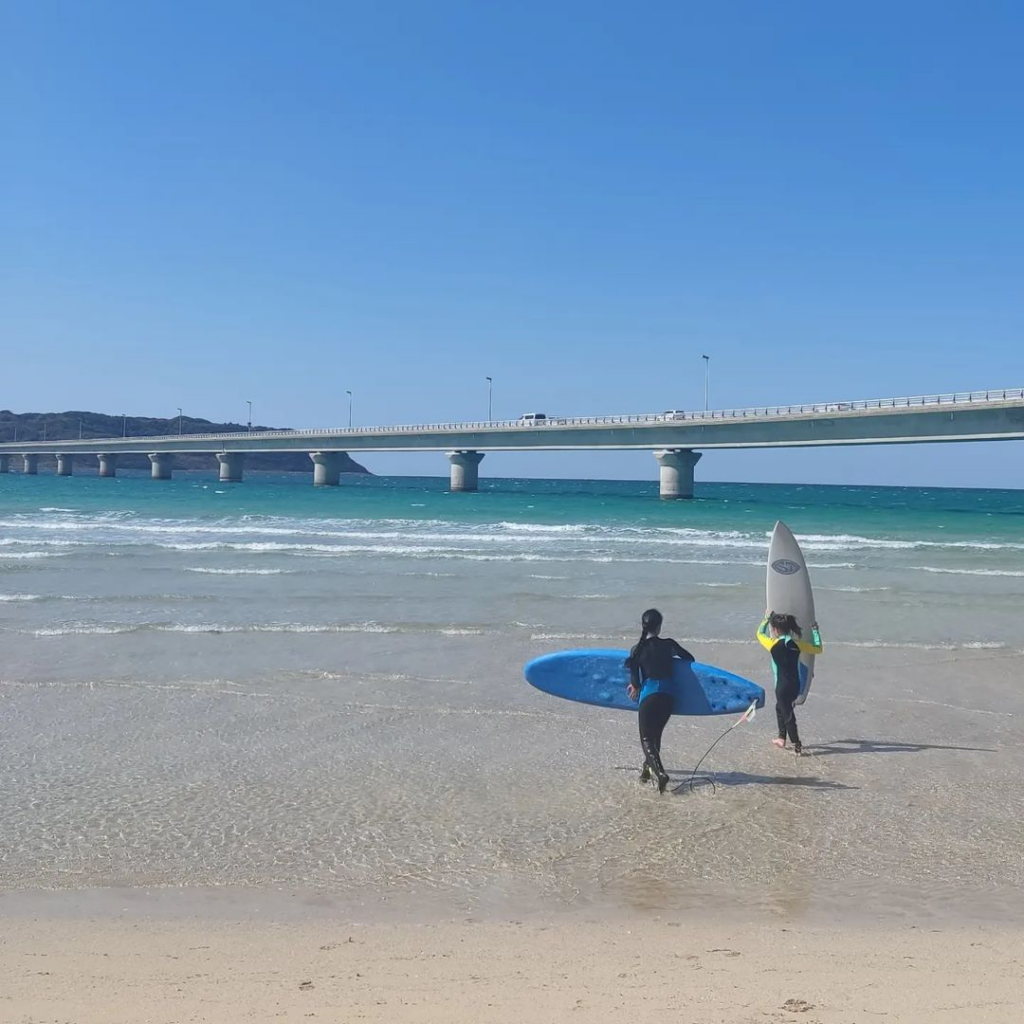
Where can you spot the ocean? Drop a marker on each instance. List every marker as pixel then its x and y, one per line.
pixel 271 685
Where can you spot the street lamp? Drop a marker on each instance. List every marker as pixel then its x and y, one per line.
pixel 250 414
pixel 349 393
pixel 124 424
pixel 490 384
pixel 79 428
pixel 707 361
pixel 179 421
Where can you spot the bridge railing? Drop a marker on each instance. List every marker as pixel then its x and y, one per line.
pixel 713 415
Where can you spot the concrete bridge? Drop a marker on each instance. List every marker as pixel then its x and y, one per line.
pixel 677 439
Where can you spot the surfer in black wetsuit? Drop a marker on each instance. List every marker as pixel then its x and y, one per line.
pixel 650 675
pixel 780 635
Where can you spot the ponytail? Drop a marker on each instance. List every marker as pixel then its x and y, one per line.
pixel 785 624
pixel 650 623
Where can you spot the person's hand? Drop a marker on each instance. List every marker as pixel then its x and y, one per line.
pixel 632 692
pixel 814 625
pixel 767 613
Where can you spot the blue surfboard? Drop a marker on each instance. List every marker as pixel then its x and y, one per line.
pixel 600 677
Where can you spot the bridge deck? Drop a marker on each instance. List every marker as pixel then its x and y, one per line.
pixel 965 416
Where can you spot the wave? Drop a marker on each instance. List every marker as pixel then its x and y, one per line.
pixel 8 598
pixel 240 572
pixel 969 572
pixel 855 590
pixel 24 555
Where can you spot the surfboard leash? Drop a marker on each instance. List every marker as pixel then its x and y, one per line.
pixel 745 717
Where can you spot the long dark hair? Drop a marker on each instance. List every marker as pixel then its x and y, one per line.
pixel 785 624
pixel 650 625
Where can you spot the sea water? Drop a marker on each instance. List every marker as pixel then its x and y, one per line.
pixel 268 684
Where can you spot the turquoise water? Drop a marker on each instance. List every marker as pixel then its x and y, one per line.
pixel 268 683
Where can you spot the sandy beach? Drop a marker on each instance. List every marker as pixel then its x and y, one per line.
pixel 88 971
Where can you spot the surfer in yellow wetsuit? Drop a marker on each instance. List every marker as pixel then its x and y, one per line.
pixel 780 635
pixel 650 682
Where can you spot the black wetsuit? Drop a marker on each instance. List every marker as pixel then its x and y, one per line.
pixel 650 671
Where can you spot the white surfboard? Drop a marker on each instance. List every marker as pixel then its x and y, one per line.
pixel 788 591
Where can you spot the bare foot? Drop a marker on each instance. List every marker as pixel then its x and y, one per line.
pixel 779 743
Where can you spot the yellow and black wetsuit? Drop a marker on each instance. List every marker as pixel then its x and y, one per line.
pixel 785 652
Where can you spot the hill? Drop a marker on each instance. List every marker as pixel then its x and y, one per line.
pixel 58 426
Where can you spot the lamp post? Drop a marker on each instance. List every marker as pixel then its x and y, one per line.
pixel 179 421
pixel 79 428
pixel 247 402
pixel 349 393
pixel 124 424
pixel 490 385
pixel 707 361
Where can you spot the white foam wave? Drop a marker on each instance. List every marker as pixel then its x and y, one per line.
pixel 9 598
pixel 855 590
pixel 26 555
pixel 541 528
pixel 969 572
pixel 86 629
pixel 240 572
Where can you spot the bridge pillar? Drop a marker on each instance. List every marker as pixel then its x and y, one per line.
pixel 108 464
pixel 65 465
pixel 677 472
pixel 31 464
pixel 231 464
pixel 326 468
pixel 163 465
pixel 465 470
pixel 5 463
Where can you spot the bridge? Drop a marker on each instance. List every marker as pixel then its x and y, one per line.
pixel 677 439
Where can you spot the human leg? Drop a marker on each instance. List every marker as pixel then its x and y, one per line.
pixel 786 716
pixel 655 711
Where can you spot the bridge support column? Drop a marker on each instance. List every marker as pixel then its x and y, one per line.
pixel 31 464
pixel 465 470
pixel 65 465
pixel 163 465
pixel 231 465
pixel 5 463
pixel 108 464
pixel 677 472
pixel 326 468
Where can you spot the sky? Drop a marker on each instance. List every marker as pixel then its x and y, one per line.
pixel 203 204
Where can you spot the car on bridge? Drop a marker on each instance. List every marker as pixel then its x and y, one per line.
pixel 533 419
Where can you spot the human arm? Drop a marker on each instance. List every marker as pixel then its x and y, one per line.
pixel 815 646
pixel 767 640
pixel 633 665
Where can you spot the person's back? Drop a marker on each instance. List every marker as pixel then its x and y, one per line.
pixel 652 658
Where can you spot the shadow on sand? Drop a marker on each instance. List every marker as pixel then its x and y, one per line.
pixel 879 747
pixel 681 780
pixel 745 779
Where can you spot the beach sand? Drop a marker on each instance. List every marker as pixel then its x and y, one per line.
pixel 89 971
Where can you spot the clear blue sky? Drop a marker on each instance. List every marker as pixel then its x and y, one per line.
pixel 203 203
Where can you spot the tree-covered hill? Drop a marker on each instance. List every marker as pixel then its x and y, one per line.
pixel 58 426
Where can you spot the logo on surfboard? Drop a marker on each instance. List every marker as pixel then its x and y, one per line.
pixel 786 566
